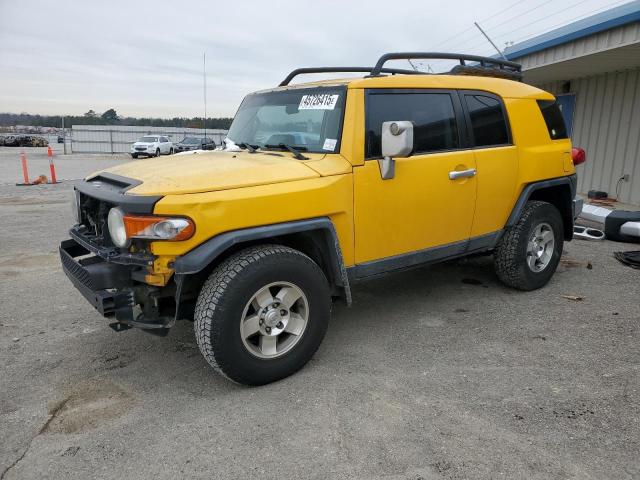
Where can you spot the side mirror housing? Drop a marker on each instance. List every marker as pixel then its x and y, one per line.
pixel 397 141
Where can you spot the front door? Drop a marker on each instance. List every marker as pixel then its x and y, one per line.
pixel 426 211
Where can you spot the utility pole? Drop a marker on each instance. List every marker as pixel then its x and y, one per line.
pixel 204 77
pixel 487 37
pixel 64 137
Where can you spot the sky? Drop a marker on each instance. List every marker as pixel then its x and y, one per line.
pixel 145 58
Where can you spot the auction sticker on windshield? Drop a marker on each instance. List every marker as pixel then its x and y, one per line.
pixel 318 102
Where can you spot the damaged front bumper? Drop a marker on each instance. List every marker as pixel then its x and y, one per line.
pixel 108 281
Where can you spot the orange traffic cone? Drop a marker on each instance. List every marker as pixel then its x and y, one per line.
pixel 49 151
pixel 25 170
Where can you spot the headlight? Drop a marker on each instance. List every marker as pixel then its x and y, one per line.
pixel 123 227
pixel 117 230
pixel 75 206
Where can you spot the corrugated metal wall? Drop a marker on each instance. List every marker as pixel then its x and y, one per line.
pixel 118 138
pixel 606 124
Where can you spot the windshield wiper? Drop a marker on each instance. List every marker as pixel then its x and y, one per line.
pixel 248 146
pixel 296 151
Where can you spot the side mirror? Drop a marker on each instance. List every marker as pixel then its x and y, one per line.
pixel 397 141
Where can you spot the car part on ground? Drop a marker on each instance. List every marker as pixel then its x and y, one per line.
pixel 586 233
pixel 618 225
pixel 597 194
pixel 631 259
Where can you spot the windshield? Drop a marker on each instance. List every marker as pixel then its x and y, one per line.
pixel 190 140
pixel 148 139
pixel 308 119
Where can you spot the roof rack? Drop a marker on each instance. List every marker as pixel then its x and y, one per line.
pixel 484 66
pixel 306 70
pixel 481 66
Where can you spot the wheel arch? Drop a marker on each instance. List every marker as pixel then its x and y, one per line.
pixel 315 238
pixel 557 191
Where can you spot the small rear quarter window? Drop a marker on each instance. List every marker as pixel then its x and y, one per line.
pixel 553 118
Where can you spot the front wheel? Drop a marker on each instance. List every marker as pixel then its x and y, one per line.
pixel 262 314
pixel 171 151
pixel 529 252
pixel 134 155
pixel 157 152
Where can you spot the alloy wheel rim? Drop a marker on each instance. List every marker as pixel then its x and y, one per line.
pixel 540 247
pixel 274 320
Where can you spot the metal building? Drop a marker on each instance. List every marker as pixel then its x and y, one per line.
pixel 593 67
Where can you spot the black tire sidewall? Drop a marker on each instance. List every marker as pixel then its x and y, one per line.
pixel 544 213
pixel 231 354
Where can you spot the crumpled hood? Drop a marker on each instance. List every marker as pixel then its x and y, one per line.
pixel 213 170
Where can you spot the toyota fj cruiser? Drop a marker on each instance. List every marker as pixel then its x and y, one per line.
pixel 321 185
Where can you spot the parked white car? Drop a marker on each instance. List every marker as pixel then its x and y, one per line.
pixel 152 146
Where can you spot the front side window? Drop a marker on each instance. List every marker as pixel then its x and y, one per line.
pixel 553 119
pixel 307 119
pixel 432 115
pixel 487 121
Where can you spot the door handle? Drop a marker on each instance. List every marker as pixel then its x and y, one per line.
pixel 462 174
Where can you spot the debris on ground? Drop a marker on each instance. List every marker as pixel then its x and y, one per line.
pixel 575 298
pixel 630 259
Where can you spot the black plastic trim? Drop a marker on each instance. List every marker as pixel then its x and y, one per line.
pixel 111 188
pixel 424 257
pixel 532 187
pixel 107 302
pixel 202 256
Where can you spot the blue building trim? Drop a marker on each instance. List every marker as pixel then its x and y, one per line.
pixel 616 17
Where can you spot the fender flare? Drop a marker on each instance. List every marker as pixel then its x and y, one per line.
pixel 571 181
pixel 203 255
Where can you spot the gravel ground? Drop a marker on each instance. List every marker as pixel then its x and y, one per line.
pixel 434 373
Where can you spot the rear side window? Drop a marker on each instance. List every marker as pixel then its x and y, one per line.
pixel 553 118
pixel 488 121
pixel 432 115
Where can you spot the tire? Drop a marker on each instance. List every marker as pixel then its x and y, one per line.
pixel 134 155
pixel 524 259
pixel 228 300
pixel 157 152
pixel 171 151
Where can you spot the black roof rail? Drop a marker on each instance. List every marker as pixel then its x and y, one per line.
pixel 511 69
pixel 302 71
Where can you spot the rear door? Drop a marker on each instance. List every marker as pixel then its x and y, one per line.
pixel 423 206
pixel 496 160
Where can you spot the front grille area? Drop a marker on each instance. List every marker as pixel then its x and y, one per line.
pixel 93 220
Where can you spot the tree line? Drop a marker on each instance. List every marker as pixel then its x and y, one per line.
pixel 109 117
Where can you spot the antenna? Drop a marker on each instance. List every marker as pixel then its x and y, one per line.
pixel 204 78
pixel 487 37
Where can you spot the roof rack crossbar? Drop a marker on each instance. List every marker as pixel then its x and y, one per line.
pixel 307 70
pixel 485 62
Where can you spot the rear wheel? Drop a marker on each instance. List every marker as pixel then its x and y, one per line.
pixel 171 151
pixel 529 252
pixel 262 314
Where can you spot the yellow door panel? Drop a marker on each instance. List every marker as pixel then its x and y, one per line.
pixel 497 179
pixel 420 208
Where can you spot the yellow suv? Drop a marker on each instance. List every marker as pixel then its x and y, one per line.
pixel 320 185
